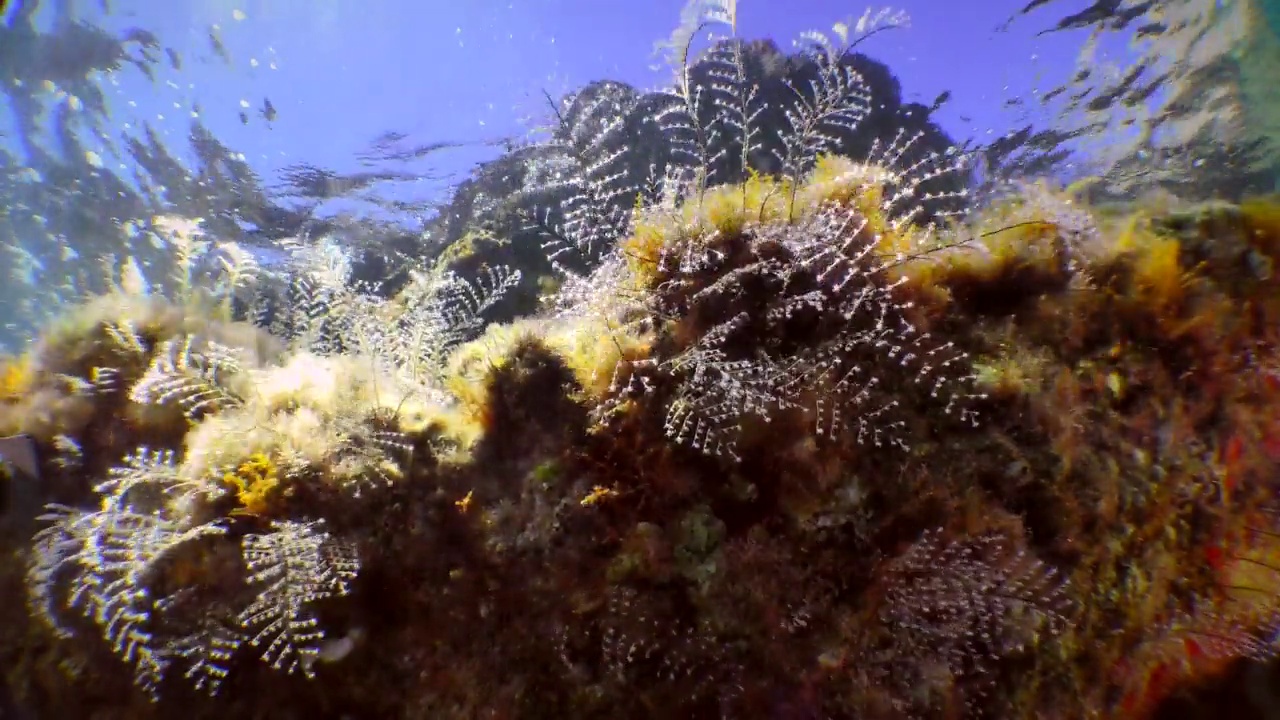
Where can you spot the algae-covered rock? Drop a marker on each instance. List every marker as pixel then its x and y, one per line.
pixel 811 443
pixel 800 457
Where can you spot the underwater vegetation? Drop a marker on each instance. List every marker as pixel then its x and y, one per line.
pixel 830 438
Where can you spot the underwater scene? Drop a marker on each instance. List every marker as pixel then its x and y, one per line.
pixel 560 359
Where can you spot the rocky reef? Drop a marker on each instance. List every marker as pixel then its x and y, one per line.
pixel 785 453
pixel 797 429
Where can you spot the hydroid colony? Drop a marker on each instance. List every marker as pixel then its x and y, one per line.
pixel 817 437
